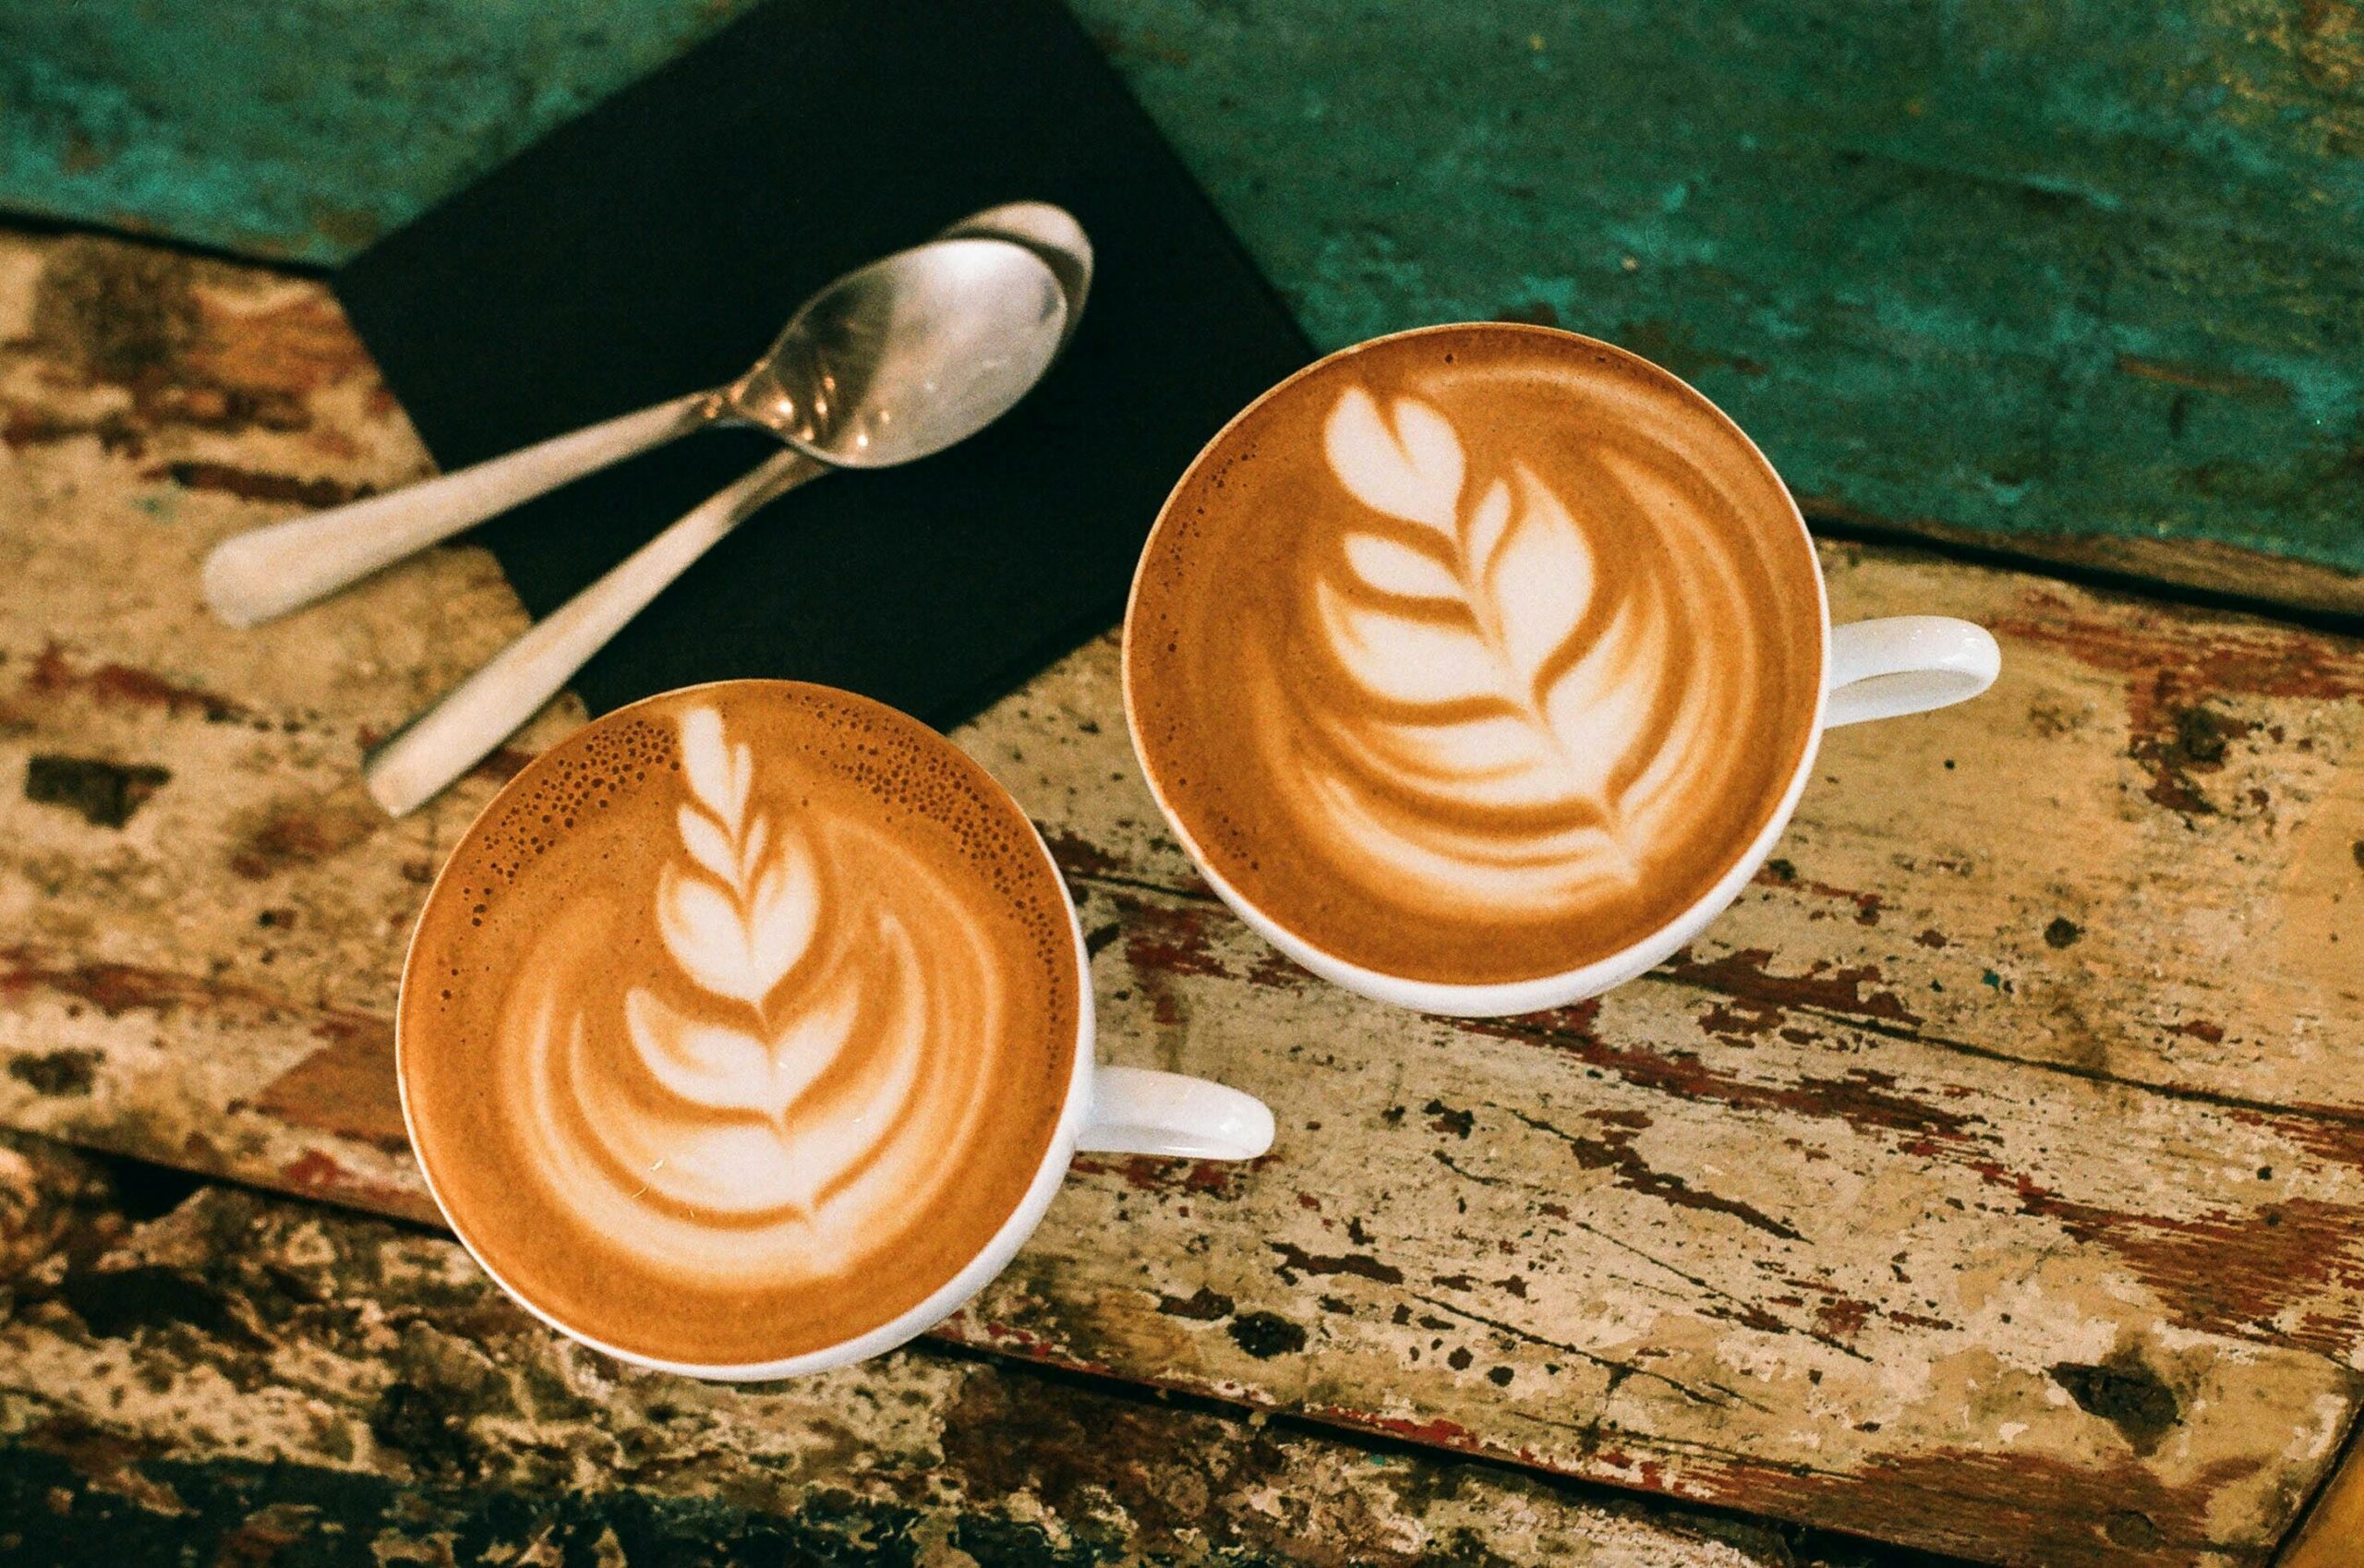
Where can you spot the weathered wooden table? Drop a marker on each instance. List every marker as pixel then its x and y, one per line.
pixel 1990 1179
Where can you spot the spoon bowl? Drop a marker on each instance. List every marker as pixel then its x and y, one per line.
pixel 900 359
pixel 1050 233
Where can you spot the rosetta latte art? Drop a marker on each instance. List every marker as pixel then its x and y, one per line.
pixel 1476 654
pixel 1527 718
pixel 740 1023
pixel 783 1075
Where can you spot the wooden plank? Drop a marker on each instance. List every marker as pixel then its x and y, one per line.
pixel 2208 571
pixel 2082 278
pixel 1832 1274
pixel 244 1372
pixel 1990 1179
pixel 150 403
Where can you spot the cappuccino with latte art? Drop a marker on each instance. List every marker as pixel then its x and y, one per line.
pixel 1475 655
pixel 1477 666
pixel 739 1024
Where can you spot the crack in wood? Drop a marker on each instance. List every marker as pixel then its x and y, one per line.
pixel 1618 1370
pixel 1295 1260
pixel 1613 1152
pixel 1752 1315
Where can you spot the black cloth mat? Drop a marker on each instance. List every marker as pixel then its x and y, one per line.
pixel 655 246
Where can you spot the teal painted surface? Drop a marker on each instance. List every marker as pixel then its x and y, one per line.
pixel 2032 268
pixel 300 130
pixel 2006 265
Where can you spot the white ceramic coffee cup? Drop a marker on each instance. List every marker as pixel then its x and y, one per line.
pixel 1107 1110
pixel 1879 669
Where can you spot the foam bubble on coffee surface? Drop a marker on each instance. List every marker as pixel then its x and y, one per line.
pixel 740 1022
pixel 1477 654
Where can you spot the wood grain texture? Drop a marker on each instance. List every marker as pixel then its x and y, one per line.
pixel 242 1374
pixel 1990 1179
pixel 2084 278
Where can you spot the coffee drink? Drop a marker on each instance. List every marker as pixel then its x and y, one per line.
pixel 1475 655
pixel 740 1022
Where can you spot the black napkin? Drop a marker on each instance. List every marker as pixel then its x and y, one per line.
pixel 657 245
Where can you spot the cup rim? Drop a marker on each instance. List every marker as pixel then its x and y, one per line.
pixel 966 1280
pixel 1495 998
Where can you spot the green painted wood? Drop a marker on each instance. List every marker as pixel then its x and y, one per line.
pixel 2084 276
pixel 2021 267
pixel 303 129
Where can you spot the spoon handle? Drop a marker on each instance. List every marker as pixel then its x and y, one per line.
pixel 268 571
pixel 435 748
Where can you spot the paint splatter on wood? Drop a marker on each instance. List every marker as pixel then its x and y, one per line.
pixel 104 793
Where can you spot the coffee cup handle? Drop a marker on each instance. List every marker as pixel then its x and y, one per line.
pixel 1139 1110
pixel 1904 664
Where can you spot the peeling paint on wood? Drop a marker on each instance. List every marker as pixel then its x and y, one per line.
pixel 1955 1189
pixel 58 1208
pixel 2201 938
pixel 247 1373
pixel 124 365
pixel 105 793
pixel 1862 1276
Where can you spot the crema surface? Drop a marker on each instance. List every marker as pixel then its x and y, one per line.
pixel 1476 654
pixel 740 1022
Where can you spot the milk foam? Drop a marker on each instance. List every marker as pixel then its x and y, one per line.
pixel 1496 740
pixel 798 1073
